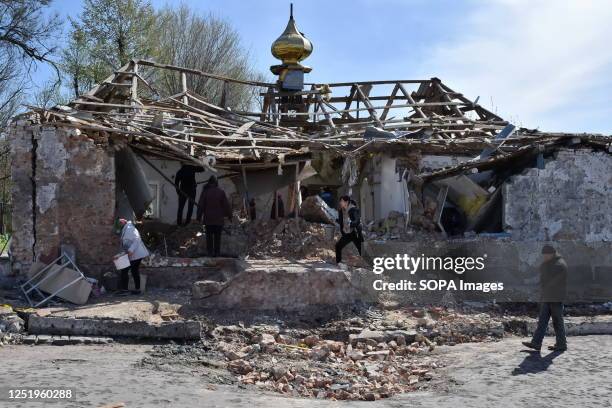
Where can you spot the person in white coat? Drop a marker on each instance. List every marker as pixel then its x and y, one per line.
pixel 136 250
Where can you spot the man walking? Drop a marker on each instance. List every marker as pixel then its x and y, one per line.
pixel 553 287
pixel 186 186
pixel 350 226
pixel 213 206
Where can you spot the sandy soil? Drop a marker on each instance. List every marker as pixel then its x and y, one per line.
pixel 478 375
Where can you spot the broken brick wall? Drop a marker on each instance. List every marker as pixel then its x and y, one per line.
pixel 570 199
pixel 63 193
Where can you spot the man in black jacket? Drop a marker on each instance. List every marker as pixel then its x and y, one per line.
pixel 186 186
pixel 553 289
pixel 213 207
pixel 350 226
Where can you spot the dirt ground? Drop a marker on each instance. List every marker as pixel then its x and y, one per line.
pixel 499 374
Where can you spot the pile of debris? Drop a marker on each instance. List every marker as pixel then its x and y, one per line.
pixel 368 355
pixel 287 238
pixel 11 325
pixel 370 366
pixel 452 328
pixel 189 241
pixel 396 227
pixel 292 238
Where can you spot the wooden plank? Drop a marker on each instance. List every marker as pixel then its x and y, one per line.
pixel 349 101
pixel 410 99
pixel 385 82
pixel 446 97
pixel 202 73
pixel 368 105
pixel 325 113
pixel 185 100
pixel 383 116
pixel 255 151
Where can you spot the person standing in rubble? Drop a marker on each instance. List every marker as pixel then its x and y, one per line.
pixel 327 196
pixel 132 244
pixel 350 226
pixel 553 290
pixel 213 207
pixel 186 187
pixel 280 211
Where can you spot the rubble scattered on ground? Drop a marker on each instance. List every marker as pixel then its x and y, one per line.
pixel 371 355
pixel 189 241
pixel 11 326
pixel 292 238
pixel 287 238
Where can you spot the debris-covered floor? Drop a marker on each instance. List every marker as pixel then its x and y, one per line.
pixel 364 354
pixel 477 375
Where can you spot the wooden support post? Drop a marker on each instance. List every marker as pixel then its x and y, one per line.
pixel 134 90
pixel 245 198
pixel 383 116
pixel 411 100
pixel 275 203
pixel 369 106
pixel 184 88
pixel 296 190
pixel 224 92
pixel 325 113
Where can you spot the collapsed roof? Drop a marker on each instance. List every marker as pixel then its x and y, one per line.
pixel 348 119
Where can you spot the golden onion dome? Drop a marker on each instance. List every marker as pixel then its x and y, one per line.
pixel 292 46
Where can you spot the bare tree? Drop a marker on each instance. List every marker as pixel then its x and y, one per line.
pixel 26 38
pixel 76 63
pixel 206 43
pixel 48 95
pixel 107 34
pixel 117 30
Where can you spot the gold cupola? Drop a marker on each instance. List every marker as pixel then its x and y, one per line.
pixel 291 48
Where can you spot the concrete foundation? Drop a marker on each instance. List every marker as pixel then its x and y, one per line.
pixel 181 273
pixel 284 287
pixel 182 330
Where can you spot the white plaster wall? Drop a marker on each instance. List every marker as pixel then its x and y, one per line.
pixel 431 162
pixel 168 199
pixel 389 193
pixel 393 193
pixel 570 199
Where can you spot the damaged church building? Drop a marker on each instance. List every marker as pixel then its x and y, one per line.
pixel 432 171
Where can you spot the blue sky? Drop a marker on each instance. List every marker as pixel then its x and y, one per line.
pixel 545 63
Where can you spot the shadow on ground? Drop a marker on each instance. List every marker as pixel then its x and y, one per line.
pixel 535 363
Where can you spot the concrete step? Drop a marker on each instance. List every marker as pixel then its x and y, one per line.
pixel 66 326
pixel 44 339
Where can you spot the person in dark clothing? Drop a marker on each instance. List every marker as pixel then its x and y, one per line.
pixel 281 208
pixel 350 226
pixel 252 209
pixel 213 207
pixel 186 187
pixel 553 290
pixel 327 196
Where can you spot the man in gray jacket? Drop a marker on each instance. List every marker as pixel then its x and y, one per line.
pixel 553 290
